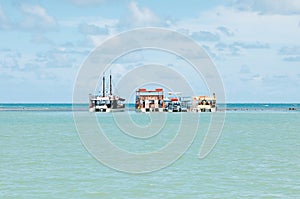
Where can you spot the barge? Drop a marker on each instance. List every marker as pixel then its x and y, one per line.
pixel 156 101
pixel 106 103
pixel 150 100
pixel 205 103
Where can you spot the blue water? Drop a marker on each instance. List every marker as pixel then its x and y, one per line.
pixel 131 107
pixel 260 106
pixel 41 107
pixel 257 156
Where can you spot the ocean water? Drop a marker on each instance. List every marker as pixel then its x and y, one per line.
pixel 131 107
pixel 256 156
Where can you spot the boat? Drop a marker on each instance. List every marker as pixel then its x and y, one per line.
pixel 186 104
pixel 103 103
pixel 173 102
pixel 149 100
pixel 177 103
pixel 204 103
pixel 156 101
pixel 173 105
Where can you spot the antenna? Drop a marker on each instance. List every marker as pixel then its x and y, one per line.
pixel 103 85
pixel 110 84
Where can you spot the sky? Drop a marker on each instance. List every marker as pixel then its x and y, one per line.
pixel 254 44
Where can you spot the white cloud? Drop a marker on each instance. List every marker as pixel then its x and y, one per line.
pixel 36 17
pixel 87 2
pixel 249 49
pixel 4 22
pixel 247 29
pixel 295 58
pixel 252 45
pixel 138 17
pixel 257 77
pixel 40 39
pixel 253 40
pixel 244 69
pixel 205 36
pixel 60 57
pixel 91 29
pixel 95 40
pixel 143 16
pixel 9 59
pixel 294 50
pixel 98 29
pixel 270 6
pixel 225 31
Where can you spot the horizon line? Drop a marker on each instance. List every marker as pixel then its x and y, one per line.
pixel 134 103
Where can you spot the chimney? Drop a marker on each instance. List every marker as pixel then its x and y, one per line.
pixel 103 86
pixel 110 84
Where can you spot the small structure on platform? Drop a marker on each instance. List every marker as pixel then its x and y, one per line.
pixel 156 101
pixel 186 104
pixel 150 100
pixel 205 103
pixel 173 102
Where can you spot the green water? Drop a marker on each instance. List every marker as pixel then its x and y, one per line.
pixel 257 156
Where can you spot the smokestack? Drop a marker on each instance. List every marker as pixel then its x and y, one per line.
pixel 110 84
pixel 103 86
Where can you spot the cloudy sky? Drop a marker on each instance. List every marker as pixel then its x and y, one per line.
pixel 255 44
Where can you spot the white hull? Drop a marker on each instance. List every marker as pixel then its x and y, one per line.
pixel 206 109
pixel 117 110
pixel 107 110
pixel 144 110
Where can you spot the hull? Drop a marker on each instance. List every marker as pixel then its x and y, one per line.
pixel 144 110
pixel 205 109
pixel 107 110
pixel 117 110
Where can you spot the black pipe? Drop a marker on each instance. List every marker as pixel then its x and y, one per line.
pixel 110 85
pixel 103 86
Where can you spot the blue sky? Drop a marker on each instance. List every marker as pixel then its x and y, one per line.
pixel 254 44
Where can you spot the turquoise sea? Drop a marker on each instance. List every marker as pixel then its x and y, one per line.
pixel 256 156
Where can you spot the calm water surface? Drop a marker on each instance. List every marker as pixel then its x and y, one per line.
pixel 257 155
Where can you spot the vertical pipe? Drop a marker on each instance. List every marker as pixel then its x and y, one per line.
pixel 103 86
pixel 110 84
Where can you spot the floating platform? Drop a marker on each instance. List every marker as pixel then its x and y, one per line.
pixel 157 101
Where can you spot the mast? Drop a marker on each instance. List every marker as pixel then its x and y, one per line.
pixel 110 84
pixel 103 86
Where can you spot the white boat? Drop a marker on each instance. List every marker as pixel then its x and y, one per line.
pixel 204 104
pixel 156 101
pixel 173 104
pixel 149 100
pixel 103 103
pixel 176 103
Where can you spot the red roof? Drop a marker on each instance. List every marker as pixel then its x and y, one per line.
pixel 145 90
